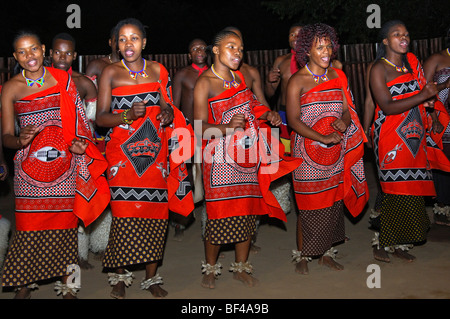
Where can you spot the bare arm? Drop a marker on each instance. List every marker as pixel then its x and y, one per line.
pixel 384 99
pixel 293 113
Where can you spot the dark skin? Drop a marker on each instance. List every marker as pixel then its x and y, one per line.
pixel 280 73
pixel 63 54
pixel 185 79
pixel 252 77
pixel 95 67
pixel 29 53
pixel 433 64
pixel 302 82
pixel 227 56
pixel 183 96
pixel 396 45
pixel 131 43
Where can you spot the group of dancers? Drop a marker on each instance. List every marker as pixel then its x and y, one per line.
pixel 65 178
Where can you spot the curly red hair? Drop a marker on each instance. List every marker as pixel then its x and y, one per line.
pixel 307 37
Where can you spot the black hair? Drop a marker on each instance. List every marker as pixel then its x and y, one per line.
pixel 383 34
pixel 217 39
pixel 192 42
pixel 19 35
pixel 132 21
pixel 64 36
pixel 307 37
pixel 24 33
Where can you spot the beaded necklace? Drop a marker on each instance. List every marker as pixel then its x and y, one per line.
pixel 316 77
pixel 397 68
pixel 226 84
pixel 448 51
pixel 134 74
pixel 39 82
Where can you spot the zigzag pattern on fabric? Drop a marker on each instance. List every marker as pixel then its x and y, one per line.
pixel 405 175
pixel 119 103
pixel 136 194
pixel 403 88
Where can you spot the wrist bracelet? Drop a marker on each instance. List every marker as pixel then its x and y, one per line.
pixel 125 120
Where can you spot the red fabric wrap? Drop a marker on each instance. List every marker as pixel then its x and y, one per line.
pixel 405 147
pixel 147 173
pixel 90 195
pixel 238 168
pixel 330 173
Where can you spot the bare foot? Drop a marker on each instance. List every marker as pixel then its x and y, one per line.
pixel 330 262
pixel 246 278
pixel 254 249
pixel 84 264
pixel 402 254
pixel 23 293
pixel 381 255
pixel 69 296
pixel 118 291
pixel 209 281
pixel 157 291
pixel 302 267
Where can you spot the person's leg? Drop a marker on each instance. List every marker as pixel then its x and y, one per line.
pixel 118 291
pixel 152 281
pixel 211 268
pixel 242 270
pixel 301 265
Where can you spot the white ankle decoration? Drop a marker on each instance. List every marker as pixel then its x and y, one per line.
pixel 297 256
pixel 211 269
pixel 241 266
pixel 374 213
pixel 64 289
pixel 32 286
pixel 155 280
pixel 403 247
pixel 441 210
pixel 114 278
pixel 331 253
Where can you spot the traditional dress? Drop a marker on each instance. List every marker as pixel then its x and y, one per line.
pixel 53 187
pixel 238 168
pixel 441 178
pixel 405 152
pixel 330 176
pixel 147 174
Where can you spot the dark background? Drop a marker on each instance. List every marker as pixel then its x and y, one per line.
pixel 173 23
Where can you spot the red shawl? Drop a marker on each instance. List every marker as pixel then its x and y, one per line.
pixel 405 148
pixel 147 171
pixel 238 168
pixel 330 173
pixel 91 193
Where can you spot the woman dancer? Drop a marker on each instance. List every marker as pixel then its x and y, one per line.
pixel 57 171
pixel 234 160
pixel 329 138
pixel 144 172
pixel 401 143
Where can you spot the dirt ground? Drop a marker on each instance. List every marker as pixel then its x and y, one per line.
pixel 428 277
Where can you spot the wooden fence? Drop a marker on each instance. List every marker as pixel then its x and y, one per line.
pixel 354 57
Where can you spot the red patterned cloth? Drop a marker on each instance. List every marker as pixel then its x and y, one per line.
pixel 238 168
pixel 147 173
pixel 54 187
pixel 329 173
pixel 404 147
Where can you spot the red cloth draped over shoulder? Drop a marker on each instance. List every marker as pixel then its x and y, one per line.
pixel 92 195
pixel 159 181
pixel 243 189
pixel 435 155
pixel 326 177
